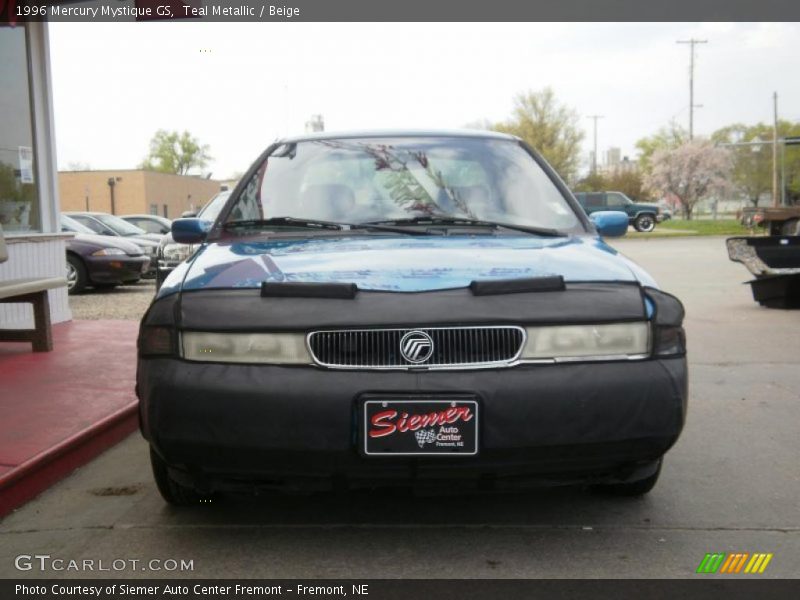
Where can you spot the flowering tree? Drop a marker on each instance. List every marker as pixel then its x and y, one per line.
pixel 691 172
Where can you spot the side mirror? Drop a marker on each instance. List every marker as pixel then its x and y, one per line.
pixel 188 214
pixel 610 223
pixel 190 231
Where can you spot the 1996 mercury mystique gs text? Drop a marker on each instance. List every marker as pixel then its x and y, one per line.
pixel 407 308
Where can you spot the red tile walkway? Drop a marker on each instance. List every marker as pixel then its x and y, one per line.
pixel 60 409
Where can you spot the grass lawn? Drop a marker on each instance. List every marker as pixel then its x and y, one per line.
pixel 680 227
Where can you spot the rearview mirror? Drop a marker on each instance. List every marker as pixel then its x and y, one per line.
pixel 190 231
pixel 610 223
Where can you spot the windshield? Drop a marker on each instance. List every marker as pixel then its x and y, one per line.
pixel 70 224
pixel 395 179
pixel 211 210
pixel 120 226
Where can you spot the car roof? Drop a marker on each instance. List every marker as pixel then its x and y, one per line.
pixel 144 216
pixel 399 133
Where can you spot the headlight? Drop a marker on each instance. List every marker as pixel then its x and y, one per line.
pixel 108 252
pixel 587 342
pixel 177 252
pixel 264 348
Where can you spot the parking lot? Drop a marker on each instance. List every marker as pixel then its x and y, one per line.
pixel 122 302
pixel 731 484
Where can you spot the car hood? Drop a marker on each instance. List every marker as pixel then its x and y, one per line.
pixel 143 240
pixel 155 238
pixel 105 241
pixel 403 263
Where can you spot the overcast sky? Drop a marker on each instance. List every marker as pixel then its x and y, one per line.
pixel 239 86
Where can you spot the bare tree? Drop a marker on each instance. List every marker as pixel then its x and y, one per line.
pixel 691 172
pixel 77 165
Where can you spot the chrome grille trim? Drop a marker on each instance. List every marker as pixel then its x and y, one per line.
pixel 459 347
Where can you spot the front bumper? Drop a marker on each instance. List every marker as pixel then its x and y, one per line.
pixel 243 426
pixel 116 269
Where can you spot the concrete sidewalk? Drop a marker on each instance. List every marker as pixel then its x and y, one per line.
pixel 60 409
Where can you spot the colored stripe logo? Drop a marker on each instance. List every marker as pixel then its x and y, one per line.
pixel 735 562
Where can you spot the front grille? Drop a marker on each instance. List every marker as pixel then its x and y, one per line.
pixel 381 348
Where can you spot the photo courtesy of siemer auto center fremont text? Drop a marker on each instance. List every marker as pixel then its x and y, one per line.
pixel 344 298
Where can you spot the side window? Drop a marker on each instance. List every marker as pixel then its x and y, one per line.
pixel 248 206
pixel 91 224
pixel 594 200
pixel 148 226
pixel 616 200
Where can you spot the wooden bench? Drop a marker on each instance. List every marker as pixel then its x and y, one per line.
pixel 34 291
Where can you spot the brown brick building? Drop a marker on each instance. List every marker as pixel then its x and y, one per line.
pixel 134 192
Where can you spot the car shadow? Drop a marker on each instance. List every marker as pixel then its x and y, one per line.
pixel 566 506
pixel 128 288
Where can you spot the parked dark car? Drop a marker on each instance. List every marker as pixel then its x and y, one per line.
pixel 170 254
pixel 642 216
pixel 421 308
pixel 111 225
pixel 100 261
pixel 149 223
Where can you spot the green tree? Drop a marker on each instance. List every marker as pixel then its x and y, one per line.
pixel 173 152
pixel 593 182
pixel 752 165
pixel 666 138
pixel 629 182
pixel 550 127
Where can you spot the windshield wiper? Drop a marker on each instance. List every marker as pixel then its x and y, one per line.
pixel 467 222
pixel 316 224
pixel 284 222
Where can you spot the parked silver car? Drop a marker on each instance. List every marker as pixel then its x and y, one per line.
pixel 107 224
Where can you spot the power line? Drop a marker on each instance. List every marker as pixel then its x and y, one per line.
pixel 594 155
pixel 692 43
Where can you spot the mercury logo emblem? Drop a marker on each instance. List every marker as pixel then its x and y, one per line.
pixel 416 346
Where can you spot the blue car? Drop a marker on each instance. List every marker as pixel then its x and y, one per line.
pixel 416 309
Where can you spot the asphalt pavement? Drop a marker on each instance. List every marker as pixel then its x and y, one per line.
pixel 731 484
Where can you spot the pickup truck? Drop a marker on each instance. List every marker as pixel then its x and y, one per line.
pixel 642 216
pixel 779 220
pixel 773 259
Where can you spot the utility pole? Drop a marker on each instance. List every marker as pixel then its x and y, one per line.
pixel 775 199
pixel 111 183
pixel 692 43
pixel 594 155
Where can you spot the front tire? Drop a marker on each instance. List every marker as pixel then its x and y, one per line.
pixel 634 488
pixel 173 492
pixel 645 223
pixel 77 279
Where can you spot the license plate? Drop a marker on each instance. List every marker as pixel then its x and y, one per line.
pixel 420 427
